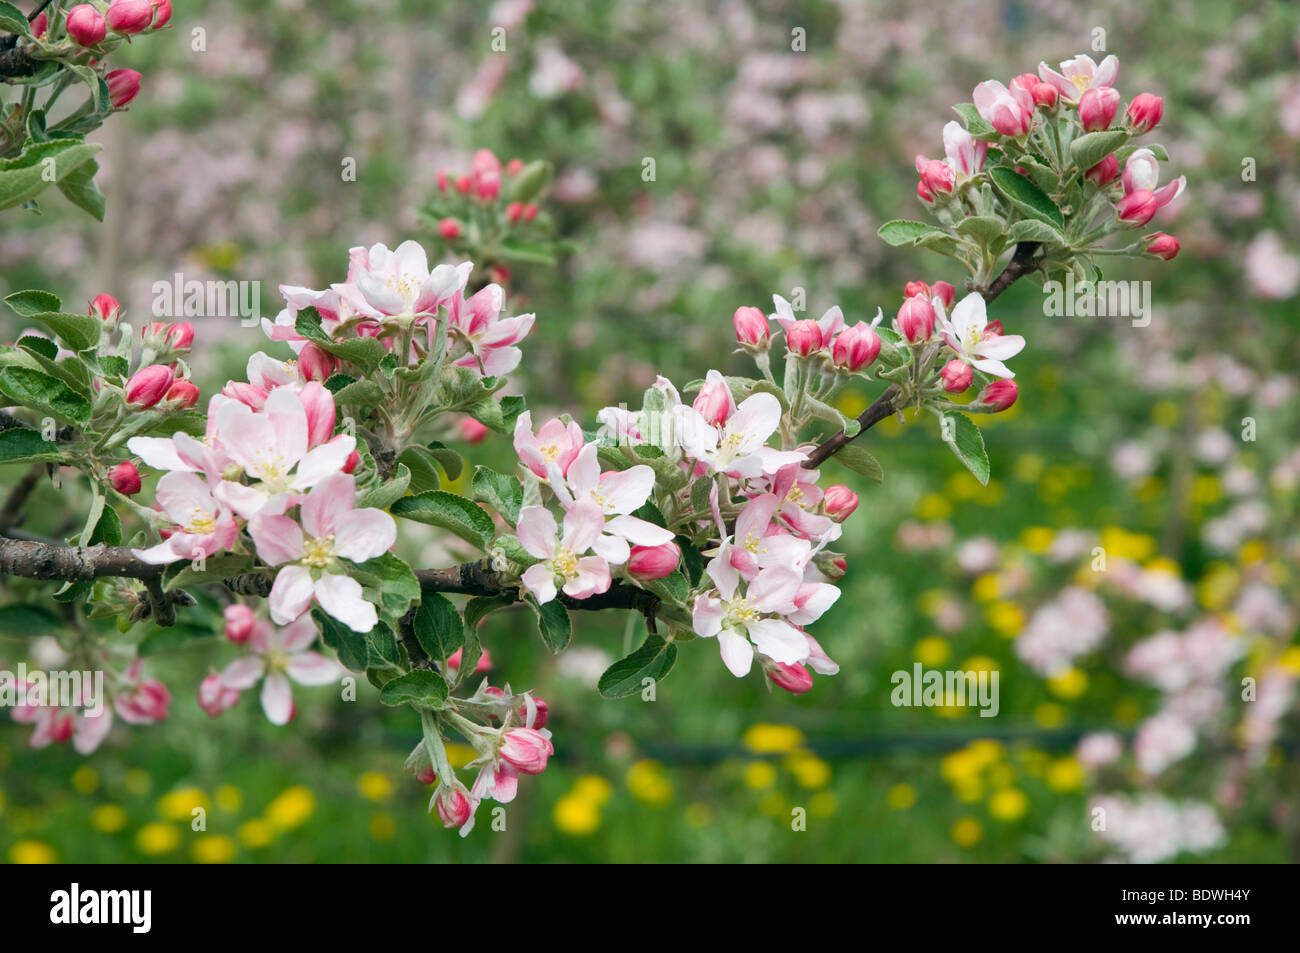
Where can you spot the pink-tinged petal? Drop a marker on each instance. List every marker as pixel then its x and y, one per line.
pixel 1063 86
pixel 247 501
pixel 813 599
pixel 365 534
pixel 994 368
pixel 290 594
pixel 831 323
pixel 508 331
pixel 159 453
pixel 723 573
pixel 773 590
pixel 583 524
pixel 288 419
pixel 987 94
pixel 327 504
pixel 536 531
pixel 91 731
pixel 184 496
pixel 325 461
pixel 1106 73
pixel 243 672
pixel 818 660
pixel 969 317
pixel 378 295
pixel 783 550
pixel 312 668
pixel 737 653
pixel 695 434
pixel 247 437
pixel 638 532
pixel 298 635
pixel 505 782
pixel 342 597
pixel 278 538
pixel 1002 347
pixel 584 472
pixel 756 418
pixel 754 518
pixel 495 362
pixel 540 581
pixel 1167 193
pixel 593 578
pixel 160 555
pixel 277 699
pixel 622 491
pixel 778 640
pixel 706 616
pixel 613 549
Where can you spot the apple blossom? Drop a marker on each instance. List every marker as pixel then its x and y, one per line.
pixel 216 697
pixel 751 328
pixel 1079 75
pixel 564 557
pixel 123 86
pixel 999 395
pixel 204 526
pixel 240 620
pixel 1009 111
pixel 142 701
pixel 556 443
pixel 125 478
pixel 148 386
pixel 795 679
pixel 475 323
pixel 1144 112
pixel 745 621
pixel 1162 246
pixel 280 655
pixel 855 347
pixel 965 335
pixel 714 401
pixel 645 563
pixel 964 152
pixel 738 448
pixel 1097 108
pixel 86 25
pixel 915 319
pixel 956 375
pixel 839 502
pixel 1104 171
pixel 129 16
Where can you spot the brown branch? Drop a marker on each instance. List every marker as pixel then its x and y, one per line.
pixel 1023 260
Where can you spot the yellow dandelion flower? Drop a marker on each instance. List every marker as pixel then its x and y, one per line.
pixel 108 818
pixel 1070 683
pixel 772 739
pixel 1065 774
pixel 179 805
pixel 967 832
pixel 933 507
pixel 773 804
pixel 291 808
pixel 158 838
pixel 256 833
pixel 85 779
pixel 594 788
pixel 213 849
pixel 576 815
pixel 32 852
pixel 1049 715
pixel 375 786
pixel 228 798
pixel 1037 539
pixel 760 775
pixel 647 782
pixel 985 587
pixel 1009 804
pixel 460 755
pixel 901 797
pixel 809 770
pixel 931 650
pixel 823 804
pixel 1005 618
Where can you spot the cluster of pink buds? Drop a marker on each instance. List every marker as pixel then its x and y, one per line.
pixel 89 24
pixel 487 183
pixel 158 386
pixel 87 721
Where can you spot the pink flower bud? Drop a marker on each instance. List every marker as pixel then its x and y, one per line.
pixel 149 385
pixel 714 402
pixel 530 212
pixel 527 749
pixel 144 704
pixel 106 308
pixel 937 178
pixel 1104 171
pixel 1163 246
pixel 1137 208
pixel 464 184
pixel 449 229
pixel 957 376
pixel 485 162
pixel 944 292
pixel 653 562
pixel 318 402
pixel 85 25
pixel 427 775
pixel 804 337
pixel 1145 111
pixel 40 24
pixel 1025 81
pixel 125 478
pixel 443 182
pixel 454 807
pixel 1097 107
pixel 913 288
pixel 514 167
pixel 315 363
pixel 999 395
pixel 994 328
pixel 351 463
pixel 471 431
pixel 541 712
pixel 162 13
pixel 856 347
pixel 239 622
pixel 488 186
pixel 484 661
pixel 514 212
pixel 247 394
pixel 751 328
pixel 795 679
pixel 215 696
pixel 181 395
pixel 915 320
pixel 1044 94
pixel 129 16
pixel 123 86
pixel 839 502
pixel 180 337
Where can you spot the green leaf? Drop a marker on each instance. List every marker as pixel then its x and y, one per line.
pixel 383 648
pixel 438 626
pixel 503 493
pixel 1092 147
pixel 653 660
pixel 27 303
pixel 860 460
pixel 363 393
pixel 421 688
pixel 365 353
pixel 903 232
pixel 12 20
pixel 350 646
pixel 672 588
pixel 452 463
pixel 394 584
pixel 382 495
pixel 44 394
pixel 422 467
pixel 535 253
pixel 24 619
pixel 39 165
pixel 1026 196
pixel 1032 230
pixel 976 125
pixel 961 434
pixel 553 624
pixel 985 229
pixel 449 511
pixel 530 181
pixel 20 445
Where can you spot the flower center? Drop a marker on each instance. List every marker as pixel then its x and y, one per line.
pixel 564 563
pixel 741 611
pixel 549 453
pixel 201 523
pixel 318 553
